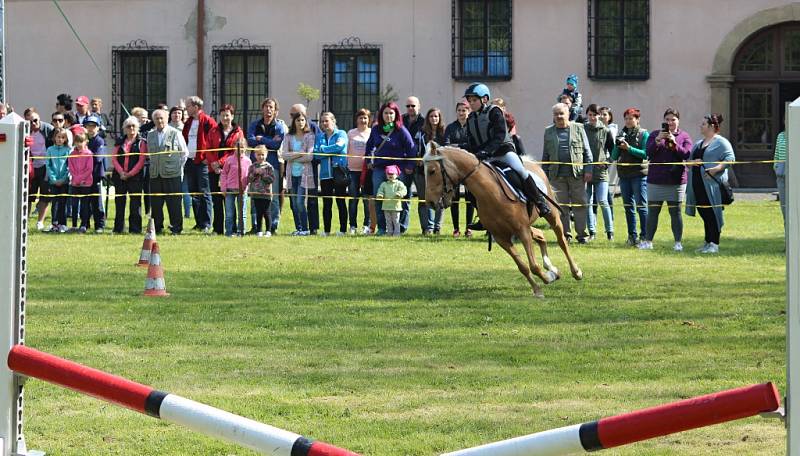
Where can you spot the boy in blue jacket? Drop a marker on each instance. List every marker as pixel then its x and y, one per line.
pixel 97 145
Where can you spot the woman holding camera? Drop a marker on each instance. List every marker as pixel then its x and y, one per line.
pixel 629 153
pixel 708 170
pixel 667 149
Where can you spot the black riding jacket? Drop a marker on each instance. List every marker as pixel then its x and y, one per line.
pixel 488 132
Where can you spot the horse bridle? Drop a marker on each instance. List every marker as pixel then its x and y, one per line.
pixel 447 180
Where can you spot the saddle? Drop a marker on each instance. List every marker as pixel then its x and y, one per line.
pixel 505 174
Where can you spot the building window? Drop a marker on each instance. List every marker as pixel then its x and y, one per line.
pixel 139 78
pixel 350 79
pixel 481 39
pixel 241 78
pixel 619 39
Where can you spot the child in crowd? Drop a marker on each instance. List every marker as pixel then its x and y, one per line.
pixel 392 190
pixel 81 163
pixel 58 177
pixel 97 145
pixel 571 89
pixel 97 109
pixel 260 177
pixel 233 183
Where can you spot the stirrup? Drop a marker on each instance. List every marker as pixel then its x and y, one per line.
pixel 477 226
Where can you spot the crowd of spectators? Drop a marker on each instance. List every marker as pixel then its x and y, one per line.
pixel 229 176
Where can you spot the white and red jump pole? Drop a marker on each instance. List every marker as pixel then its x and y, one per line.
pixel 196 416
pixel 639 425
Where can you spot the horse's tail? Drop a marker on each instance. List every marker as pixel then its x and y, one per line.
pixel 554 203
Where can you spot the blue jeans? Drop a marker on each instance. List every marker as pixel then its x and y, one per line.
pixel 275 207
pixel 355 193
pixel 407 180
pixel 780 180
pixel 187 199
pixel 634 199
pixel 378 176
pixel 298 204
pixel 599 191
pixel 196 176
pixel 430 219
pixel 231 211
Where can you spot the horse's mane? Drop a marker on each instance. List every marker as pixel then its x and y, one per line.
pixel 440 157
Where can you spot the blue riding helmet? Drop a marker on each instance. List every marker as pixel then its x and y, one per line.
pixel 477 89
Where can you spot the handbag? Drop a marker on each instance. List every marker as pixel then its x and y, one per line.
pixel 341 177
pixel 725 190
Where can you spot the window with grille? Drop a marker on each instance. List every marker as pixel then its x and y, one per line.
pixel 241 78
pixel 139 78
pixel 351 80
pixel 481 39
pixel 619 39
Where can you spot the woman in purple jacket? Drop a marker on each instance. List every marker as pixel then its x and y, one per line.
pixel 389 144
pixel 667 182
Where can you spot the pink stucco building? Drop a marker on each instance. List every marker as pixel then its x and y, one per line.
pixel 737 57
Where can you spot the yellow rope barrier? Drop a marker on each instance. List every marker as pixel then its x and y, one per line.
pixel 345 197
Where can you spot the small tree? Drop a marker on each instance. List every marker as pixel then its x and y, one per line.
pixel 307 93
pixel 388 94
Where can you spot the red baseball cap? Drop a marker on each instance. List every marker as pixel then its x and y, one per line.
pixel 82 100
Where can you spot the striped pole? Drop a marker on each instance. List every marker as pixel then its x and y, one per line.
pixel 639 425
pixel 196 416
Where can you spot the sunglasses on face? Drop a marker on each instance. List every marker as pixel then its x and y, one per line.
pixel 411 106
pixel 58 120
pixel 34 120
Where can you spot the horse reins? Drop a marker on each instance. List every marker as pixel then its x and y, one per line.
pixel 455 185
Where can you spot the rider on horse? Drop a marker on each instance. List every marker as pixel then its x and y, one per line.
pixel 488 138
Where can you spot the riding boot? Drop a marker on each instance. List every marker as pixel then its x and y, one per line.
pixel 536 197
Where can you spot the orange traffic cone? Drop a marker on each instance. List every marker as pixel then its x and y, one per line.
pixel 154 284
pixel 147 245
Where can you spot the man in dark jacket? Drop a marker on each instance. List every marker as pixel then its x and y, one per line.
pixel 269 131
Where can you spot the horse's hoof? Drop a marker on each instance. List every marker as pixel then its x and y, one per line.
pixel 577 274
pixel 538 294
pixel 552 276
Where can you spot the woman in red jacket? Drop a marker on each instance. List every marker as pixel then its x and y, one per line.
pixel 224 136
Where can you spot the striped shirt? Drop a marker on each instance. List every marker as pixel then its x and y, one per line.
pixel 780 146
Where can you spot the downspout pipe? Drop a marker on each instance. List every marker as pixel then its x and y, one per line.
pixel 201 47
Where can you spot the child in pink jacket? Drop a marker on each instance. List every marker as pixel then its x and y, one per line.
pixel 81 165
pixel 233 182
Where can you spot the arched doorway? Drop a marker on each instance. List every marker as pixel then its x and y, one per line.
pixel 766 75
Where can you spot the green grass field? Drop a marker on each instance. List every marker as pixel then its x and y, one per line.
pixel 409 346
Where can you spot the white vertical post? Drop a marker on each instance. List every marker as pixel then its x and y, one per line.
pixel 2 51
pixel 793 280
pixel 13 225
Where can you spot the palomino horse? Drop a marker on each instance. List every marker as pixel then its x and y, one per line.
pixel 446 168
